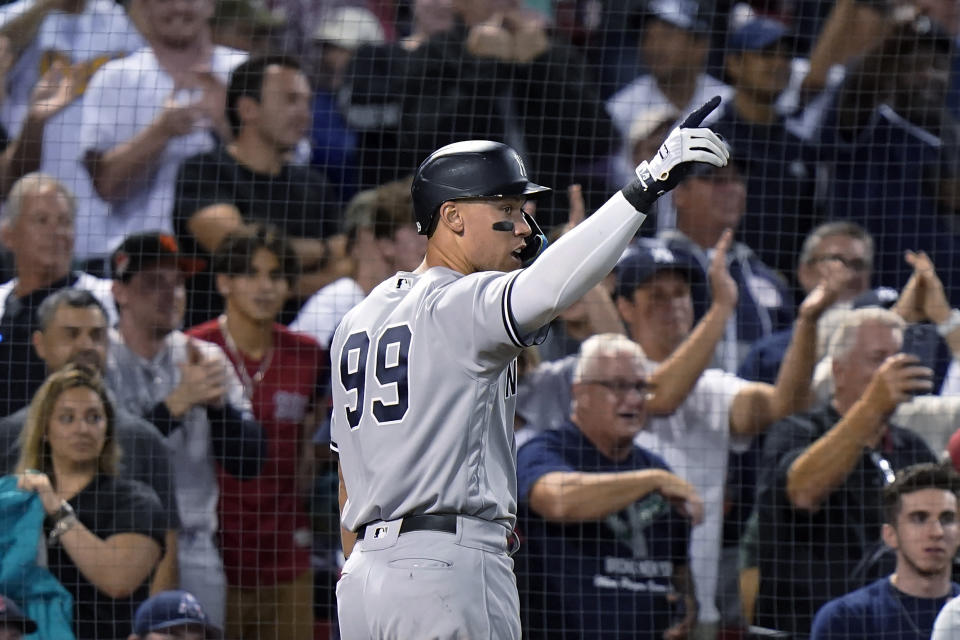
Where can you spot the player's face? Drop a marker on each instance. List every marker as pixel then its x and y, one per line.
pixel 660 314
pixel 851 253
pixel 154 298
pixel 77 429
pixel 41 238
pixel 259 295
pixel 611 400
pixel 486 248
pixel 177 23
pixel 74 335
pixel 283 116
pixel 927 533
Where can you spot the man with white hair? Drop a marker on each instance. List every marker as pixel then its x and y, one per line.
pixel 606 522
pixel 822 472
pixel 38 227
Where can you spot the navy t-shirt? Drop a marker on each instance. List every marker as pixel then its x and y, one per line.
pixel 780 175
pixel 601 579
pixel 878 611
pixel 887 179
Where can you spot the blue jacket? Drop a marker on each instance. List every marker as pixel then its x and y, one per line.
pixel 42 597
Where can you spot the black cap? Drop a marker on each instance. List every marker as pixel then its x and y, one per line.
pixel 12 615
pixel 140 251
pixel 646 258
pixel 170 609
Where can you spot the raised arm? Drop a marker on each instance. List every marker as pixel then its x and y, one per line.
pixel 52 94
pixel 851 29
pixel 22 29
pixel 827 462
pixel 676 376
pixel 118 171
pixel 758 405
pixel 582 257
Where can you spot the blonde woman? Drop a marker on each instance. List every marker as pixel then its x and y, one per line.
pixel 104 533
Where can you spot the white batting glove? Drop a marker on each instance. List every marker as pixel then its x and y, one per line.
pixel 686 144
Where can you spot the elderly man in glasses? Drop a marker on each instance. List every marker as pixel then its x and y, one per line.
pixel 606 523
pixel 822 472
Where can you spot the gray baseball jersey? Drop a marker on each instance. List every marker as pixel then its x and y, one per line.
pixel 425 369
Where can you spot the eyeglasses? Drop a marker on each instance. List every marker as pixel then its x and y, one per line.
pixel 622 387
pixel 854 264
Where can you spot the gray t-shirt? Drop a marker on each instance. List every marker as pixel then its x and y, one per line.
pixel 140 384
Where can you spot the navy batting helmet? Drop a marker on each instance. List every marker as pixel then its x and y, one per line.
pixel 470 169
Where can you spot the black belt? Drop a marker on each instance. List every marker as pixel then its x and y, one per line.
pixel 444 522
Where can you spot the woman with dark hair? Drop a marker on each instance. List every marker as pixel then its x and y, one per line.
pixel 104 533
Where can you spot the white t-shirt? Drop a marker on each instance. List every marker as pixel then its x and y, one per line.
pixel 695 441
pixel 320 315
pixel 124 97
pixel 85 41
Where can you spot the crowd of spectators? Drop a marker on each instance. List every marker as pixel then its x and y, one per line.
pixel 753 421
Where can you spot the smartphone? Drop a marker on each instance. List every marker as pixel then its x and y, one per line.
pixel 922 341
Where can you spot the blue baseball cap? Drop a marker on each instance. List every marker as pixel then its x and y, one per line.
pixel 646 258
pixel 757 34
pixel 12 615
pixel 170 609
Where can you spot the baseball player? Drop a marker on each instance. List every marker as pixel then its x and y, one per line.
pixel 425 380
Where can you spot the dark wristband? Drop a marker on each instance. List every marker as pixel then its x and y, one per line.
pixel 640 196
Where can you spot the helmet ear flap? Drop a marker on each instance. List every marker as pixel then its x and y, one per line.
pixel 536 242
pixel 431 225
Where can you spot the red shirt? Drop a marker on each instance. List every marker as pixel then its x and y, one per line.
pixel 265 531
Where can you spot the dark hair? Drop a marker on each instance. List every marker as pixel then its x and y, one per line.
pixel 246 81
pixel 70 297
pixel 917 477
pixel 234 255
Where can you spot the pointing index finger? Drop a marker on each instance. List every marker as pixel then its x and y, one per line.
pixel 698 116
